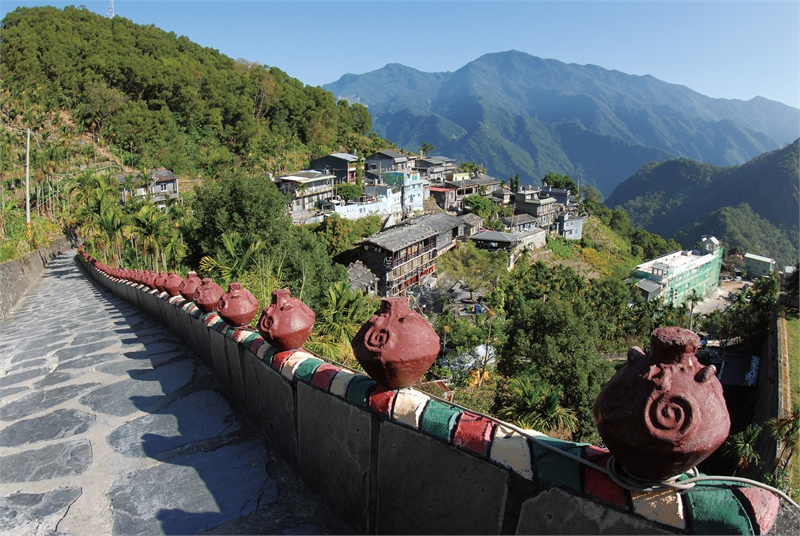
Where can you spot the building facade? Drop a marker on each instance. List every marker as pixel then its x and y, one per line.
pixel 759 266
pixel 343 166
pixel 404 255
pixel 678 276
pixel 309 189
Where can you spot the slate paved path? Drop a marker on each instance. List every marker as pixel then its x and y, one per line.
pixel 109 424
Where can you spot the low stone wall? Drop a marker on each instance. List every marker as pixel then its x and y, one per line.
pixel 399 461
pixel 18 275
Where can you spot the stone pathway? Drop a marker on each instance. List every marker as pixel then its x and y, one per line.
pixel 109 424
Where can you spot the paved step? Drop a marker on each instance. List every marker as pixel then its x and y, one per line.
pixel 109 424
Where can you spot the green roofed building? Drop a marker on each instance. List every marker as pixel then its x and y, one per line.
pixel 675 276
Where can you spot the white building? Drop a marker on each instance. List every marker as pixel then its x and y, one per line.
pixel 308 189
pixel 758 265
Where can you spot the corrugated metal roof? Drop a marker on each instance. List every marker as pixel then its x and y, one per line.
pixel 345 156
pixel 758 258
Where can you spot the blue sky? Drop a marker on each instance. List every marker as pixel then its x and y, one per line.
pixel 718 48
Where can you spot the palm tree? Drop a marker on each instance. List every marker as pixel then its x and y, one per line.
pixel 742 448
pixel 114 227
pixel 239 252
pixel 787 432
pixel 537 406
pixel 344 313
pixel 152 232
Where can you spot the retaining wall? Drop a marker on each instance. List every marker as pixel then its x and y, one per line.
pixel 18 275
pixel 400 462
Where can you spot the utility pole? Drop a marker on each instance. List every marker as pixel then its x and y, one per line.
pixel 28 180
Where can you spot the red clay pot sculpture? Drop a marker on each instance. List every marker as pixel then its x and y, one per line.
pixel 287 322
pixel 663 413
pixel 397 345
pixel 150 279
pixel 189 285
pixel 161 281
pixel 173 284
pixel 207 296
pixel 238 306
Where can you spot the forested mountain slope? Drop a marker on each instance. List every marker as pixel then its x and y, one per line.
pixel 755 205
pixel 163 100
pixel 511 112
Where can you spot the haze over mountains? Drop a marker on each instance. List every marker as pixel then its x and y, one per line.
pixel 755 206
pixel 513 112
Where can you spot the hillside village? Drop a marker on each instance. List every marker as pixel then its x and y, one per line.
pixel 537 291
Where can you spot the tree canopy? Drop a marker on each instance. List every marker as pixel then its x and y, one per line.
pixel 166 101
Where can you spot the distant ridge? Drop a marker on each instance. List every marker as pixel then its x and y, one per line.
pixel 755 206
pixel 514 112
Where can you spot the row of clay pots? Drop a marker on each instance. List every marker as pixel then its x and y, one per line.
pixel 396 346
pixel 660 415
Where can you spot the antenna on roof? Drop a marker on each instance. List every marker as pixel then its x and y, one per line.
pixel 110 12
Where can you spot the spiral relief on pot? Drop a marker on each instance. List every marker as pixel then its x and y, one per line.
pixel 670 417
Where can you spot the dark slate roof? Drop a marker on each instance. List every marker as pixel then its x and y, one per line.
pixel 360 276
pixel 157 175
pixel 162 174
pixel 391 154
pixel 518 219
pixel 434 160
pixel 471 218
pixel 482 180
pixel 407 234
pixel 648 286
pixel 494 236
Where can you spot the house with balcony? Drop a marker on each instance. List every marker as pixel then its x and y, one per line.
pixel 343 166
pixel 404 255
pixel 543 209
pixel 678 276
pixel 475 185
pixel 434 168
pixel 519 222
pixel 308 189
pixel 160 184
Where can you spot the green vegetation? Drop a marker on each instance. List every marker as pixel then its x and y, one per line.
pixel 153 99
pixel 340 234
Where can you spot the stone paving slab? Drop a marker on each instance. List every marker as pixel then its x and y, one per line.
pixel 111 425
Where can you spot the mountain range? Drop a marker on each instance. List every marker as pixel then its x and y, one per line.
pixel 513 112
pixel 755 206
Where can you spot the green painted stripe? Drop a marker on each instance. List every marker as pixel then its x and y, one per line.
pixel 714 509
pixel 358 390
pixel 556 469
pixel 307 368
pixel 439 420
